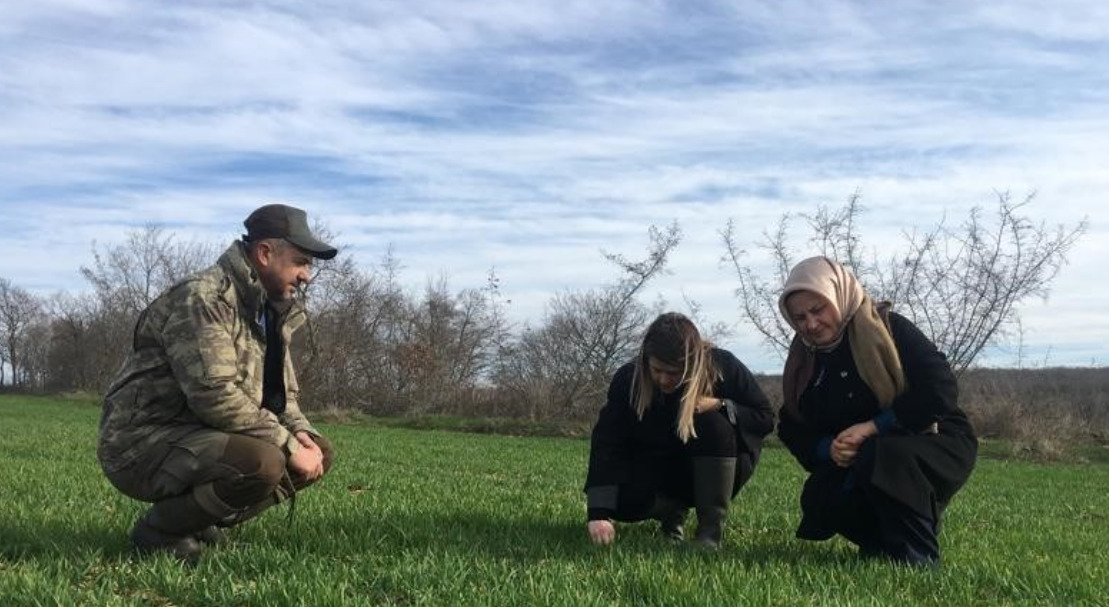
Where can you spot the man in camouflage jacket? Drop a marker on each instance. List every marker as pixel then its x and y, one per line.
pixel 203 418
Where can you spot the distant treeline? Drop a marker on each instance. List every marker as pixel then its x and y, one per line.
pixel 375 347
pixel 371 345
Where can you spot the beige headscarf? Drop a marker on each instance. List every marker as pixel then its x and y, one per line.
pixel 866 323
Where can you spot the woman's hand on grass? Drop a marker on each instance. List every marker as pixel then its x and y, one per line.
pixel 602 533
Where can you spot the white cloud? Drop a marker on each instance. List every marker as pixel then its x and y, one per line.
pixel 527 135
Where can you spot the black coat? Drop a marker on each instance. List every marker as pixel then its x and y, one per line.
pixel 917 468
pixel 620 438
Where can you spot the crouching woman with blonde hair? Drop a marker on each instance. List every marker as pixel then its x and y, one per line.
pixel 682 427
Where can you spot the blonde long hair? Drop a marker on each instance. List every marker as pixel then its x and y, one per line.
pixel 674 340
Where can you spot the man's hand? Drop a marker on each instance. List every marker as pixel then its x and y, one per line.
pixel 308 460
pixel 602 533
pixel 845 446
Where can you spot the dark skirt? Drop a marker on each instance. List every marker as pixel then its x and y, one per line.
pixel 917 472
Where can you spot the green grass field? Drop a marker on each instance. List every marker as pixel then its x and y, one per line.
pixel 411 517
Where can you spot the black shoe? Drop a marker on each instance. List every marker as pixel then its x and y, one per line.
pixel 210 535
pixel 148 540
pixel 671 517
pixel 672 526
pixel 175 525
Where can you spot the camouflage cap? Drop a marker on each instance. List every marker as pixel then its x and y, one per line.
pixel 287 223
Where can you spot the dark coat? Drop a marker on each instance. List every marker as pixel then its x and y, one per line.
pixel 620 439
pixel 915 467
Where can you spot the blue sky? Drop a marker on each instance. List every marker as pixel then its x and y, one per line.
pixel 527 135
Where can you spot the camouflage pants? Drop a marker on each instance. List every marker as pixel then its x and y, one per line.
pixel 231 475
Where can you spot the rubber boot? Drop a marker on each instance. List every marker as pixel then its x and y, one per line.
pixel 671 516
pixel 713 479
pixel 283 491
pixel 210 535
pixel 170 526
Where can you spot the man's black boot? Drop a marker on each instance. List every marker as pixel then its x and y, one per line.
pixel 171 526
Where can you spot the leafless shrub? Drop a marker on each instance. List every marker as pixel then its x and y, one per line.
pixel 562 367
pixel 960 286
pixel 379 349
pixel 1042 411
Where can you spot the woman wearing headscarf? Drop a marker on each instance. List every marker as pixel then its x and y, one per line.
pixel 870 411
pixel 683 427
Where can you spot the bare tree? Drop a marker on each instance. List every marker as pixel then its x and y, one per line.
pixel 4 363
pixel 450 348
pixel 125 279
pixel 384 350
pixel 960 285
pixel 562 367
pixel 129 276
pixel 80 354
pixel 19 310
pixel 758 294
pixel 712 331
pixel 339 355
pixel 36 354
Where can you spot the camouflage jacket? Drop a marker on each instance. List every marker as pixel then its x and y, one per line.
pixel 197 362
